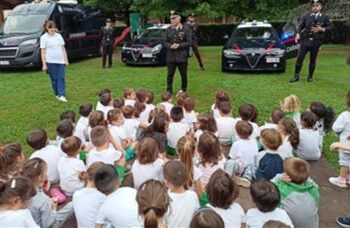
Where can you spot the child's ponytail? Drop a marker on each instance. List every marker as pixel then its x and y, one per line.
pixel 291 129
pixel 151 220
pixel 186 147
pixel 329 119
pixel 21 187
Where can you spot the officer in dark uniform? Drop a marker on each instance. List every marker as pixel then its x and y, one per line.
pixel 177 42
pixel 191 23
pixel 310 31
pixel 107 43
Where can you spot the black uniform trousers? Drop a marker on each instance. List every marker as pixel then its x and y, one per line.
pixel 303 50
pixel 171 72
pixel 197 54
pixel 107 51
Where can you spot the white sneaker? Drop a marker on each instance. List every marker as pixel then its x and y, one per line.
pixel 62 98
pixel 338 181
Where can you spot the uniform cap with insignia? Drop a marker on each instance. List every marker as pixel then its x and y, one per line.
pixel 316 1
pixel 174 13
pixel 108 20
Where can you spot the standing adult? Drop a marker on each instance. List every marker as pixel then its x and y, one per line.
pixel 192 25
pixel 310 31
pixel 107 43
pixel 54 59
pixel 177 42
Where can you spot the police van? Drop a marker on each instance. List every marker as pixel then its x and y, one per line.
pixel 20 34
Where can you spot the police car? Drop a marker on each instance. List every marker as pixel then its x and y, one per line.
pixel 254 46
pixel 146 49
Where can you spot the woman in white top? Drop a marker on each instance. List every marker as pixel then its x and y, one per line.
pixel 54 59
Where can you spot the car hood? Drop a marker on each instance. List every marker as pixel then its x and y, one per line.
pixel 140 43
pixel 253 44
pixel 9 40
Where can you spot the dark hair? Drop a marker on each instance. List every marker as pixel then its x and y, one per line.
pixel 291 129
pixel 11 151
pixel 65 128
pixel 225 107
pixel 33 168
pixel 97 118
pixel 189 104
pixel 37 139
pixel 275 224
pixel 118 103
pixel 175 172
pixel 277 115
pixel 128 111
pixel 153 201
pixel 159 124
pixel 85 110
pixel 322 112
pixel 206 217
pixel 221 189
pixel 207 122
pixel 105 99
pixel 348 99
pixel 265 195
pixel 209 148
pixel 93 168
pixel 147 151
pixel 150 97
pixel 69 115
pixel 141 95
pixel 177 113
pixel 105 90
pixel 20 187
pixel 166 96
pixel 248 112
pixel 255 113
pixel 271 138
pixel 308 119
pixel 71 146
pixel 221 96
pixel 114 115
pixel 106 179
pixel 99 136
pixel 297 169
pixel 48 25
pixel 244 129
pixel 139 107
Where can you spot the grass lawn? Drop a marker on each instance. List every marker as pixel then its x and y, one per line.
pixel 27 102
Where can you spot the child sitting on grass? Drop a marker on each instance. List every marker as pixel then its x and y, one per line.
pixel 81 129
pixel 105 102
pixel 222 192
pixel 175 177
pixel 220 96
pixel 275 117
pixel 248 112
pixel 266 198
pixel 291 107
pixel 167 102
pixel 225 123
pixel 116 121
pixel 290 137
pixel 190 116
pixel 300 196
pixel 309 146
pixel 11 159
pixel 129 97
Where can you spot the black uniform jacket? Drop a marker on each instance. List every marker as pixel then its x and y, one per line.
pixel 182 36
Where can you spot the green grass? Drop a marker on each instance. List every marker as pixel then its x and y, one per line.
pixel 26 99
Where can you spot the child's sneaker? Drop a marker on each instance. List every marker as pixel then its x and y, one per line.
pixel 62 98
pixel 343 221
pixel 60 197
pixel 338 181
pixel 243 182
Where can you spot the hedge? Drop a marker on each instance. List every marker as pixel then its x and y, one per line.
pixel 213 34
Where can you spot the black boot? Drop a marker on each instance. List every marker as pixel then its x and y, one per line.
pixel 309 78
pixel 295 78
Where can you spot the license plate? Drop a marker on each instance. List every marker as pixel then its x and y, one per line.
pixel 147 55
pixel 4 63
pixel 272 60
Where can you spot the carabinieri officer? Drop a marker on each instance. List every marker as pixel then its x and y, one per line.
pixel 310 31
pixel 192 25
pixel 178 42
pixel 107 43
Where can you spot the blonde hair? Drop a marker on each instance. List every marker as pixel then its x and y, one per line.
pixel 290 104
pixel 186 147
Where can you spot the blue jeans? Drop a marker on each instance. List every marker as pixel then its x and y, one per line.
pixel 57 76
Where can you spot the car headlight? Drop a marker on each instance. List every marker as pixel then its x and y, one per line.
pixel 231 53
pixel 29 42
pixel 277 52
pixel 124 47
pixel 156 49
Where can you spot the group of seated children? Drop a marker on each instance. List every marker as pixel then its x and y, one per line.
pixel 130 163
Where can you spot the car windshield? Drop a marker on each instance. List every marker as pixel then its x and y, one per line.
pixel 24 23
pixel 253 33
pixel 153 34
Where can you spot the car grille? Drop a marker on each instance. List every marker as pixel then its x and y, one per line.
pixel 8 53
pixel 253 59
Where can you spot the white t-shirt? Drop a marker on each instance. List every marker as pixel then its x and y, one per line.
pixel 341 126
pixel 129 102
pixel 190 118
pixel 268 126
pixel 226 129
pixel 208 169
pixel 233 217
pixel 51 155
pixel 309 146
pixel 86 204
pixel 255 133
pixel 178 214
pixel 144 116
pixel 130 127
pixel 69 170
pixel 81 129
pixel 104 109
pixel 244 150
pixel 53 45
pixel 256 218
pixel 215 111
pixel 168 106
pixel 175 132
pixel 118 133
pixel 17 218
pixel 120 209
pixel 145 172
pixel 108 156
pixel 286 149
